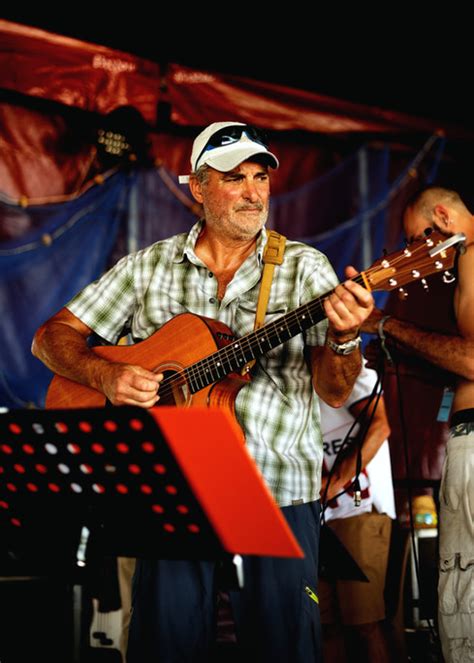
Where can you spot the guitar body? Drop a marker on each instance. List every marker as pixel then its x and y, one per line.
pixel 181 342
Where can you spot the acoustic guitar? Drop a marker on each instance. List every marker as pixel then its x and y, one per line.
pixel 205 364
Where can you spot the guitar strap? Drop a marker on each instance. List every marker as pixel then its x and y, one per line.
pixel 272 255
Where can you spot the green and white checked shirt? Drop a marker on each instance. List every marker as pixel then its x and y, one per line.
pixel 278 410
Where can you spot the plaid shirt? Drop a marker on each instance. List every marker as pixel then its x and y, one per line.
pixel 278 410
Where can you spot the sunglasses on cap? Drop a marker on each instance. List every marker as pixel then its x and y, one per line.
pixel 229 135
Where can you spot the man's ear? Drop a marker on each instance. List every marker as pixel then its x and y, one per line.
pixel 196 189
pixel 441 215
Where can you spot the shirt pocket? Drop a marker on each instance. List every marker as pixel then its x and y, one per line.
pixel 159 308
pixel 245 320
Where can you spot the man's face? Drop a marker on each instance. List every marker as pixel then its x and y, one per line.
pixel 236 203
pixel 415 223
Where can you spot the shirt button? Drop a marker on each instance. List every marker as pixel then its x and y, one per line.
pixel 212 300
pixel 210 275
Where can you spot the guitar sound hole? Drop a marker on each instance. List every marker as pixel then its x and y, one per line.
pixel 174 389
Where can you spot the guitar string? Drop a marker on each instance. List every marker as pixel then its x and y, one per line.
pixel 201 369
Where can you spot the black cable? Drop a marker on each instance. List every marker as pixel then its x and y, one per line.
pixel 364 423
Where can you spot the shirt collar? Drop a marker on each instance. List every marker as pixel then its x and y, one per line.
pixel 187 249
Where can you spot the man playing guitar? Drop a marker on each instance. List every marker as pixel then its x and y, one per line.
pixel 214 271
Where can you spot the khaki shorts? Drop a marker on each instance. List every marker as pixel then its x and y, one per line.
pixel 456 546
pixel 351 602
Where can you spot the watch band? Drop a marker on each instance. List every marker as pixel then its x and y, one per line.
pixel 344 348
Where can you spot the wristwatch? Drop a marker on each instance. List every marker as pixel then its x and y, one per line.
pixel 344 348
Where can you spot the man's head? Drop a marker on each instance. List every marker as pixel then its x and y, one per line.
pixel 225 145
pixel 438 208
pixel 230 179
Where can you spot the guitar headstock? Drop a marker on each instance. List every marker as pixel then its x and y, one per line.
pixel 432 254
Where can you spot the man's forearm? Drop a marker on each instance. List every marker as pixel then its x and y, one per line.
pixel 334 375
pixel 63 350
pixel 453 353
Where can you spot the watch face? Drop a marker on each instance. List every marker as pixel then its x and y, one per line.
pixel 344 348
pixel 351 345
pixel 349 348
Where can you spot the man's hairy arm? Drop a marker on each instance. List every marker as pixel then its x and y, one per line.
pixel 61 344
pixel 452 353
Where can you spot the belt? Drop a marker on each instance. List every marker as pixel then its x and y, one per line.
pixel 462 429
pixel 462 422
pixel 462 417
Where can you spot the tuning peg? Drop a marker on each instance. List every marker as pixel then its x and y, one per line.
pixel 402 294
pixel 448 277
pixel 425 285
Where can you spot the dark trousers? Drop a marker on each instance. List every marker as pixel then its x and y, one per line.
pixel 276 614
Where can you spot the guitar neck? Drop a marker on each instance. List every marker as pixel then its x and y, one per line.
pixel 234 356
pixel 429 255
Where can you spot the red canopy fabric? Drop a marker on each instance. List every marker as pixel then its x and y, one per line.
pixel 76 73
pixel 199 97
pixel 41 160
pixel 96 78
pixel 42 157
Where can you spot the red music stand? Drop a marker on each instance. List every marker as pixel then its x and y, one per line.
pixel 166 483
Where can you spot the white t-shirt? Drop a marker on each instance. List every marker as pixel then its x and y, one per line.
pixel 376 479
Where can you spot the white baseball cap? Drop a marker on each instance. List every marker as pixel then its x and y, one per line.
pixel 224 145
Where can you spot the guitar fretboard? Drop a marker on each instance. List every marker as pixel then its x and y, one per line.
pixel 234 356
